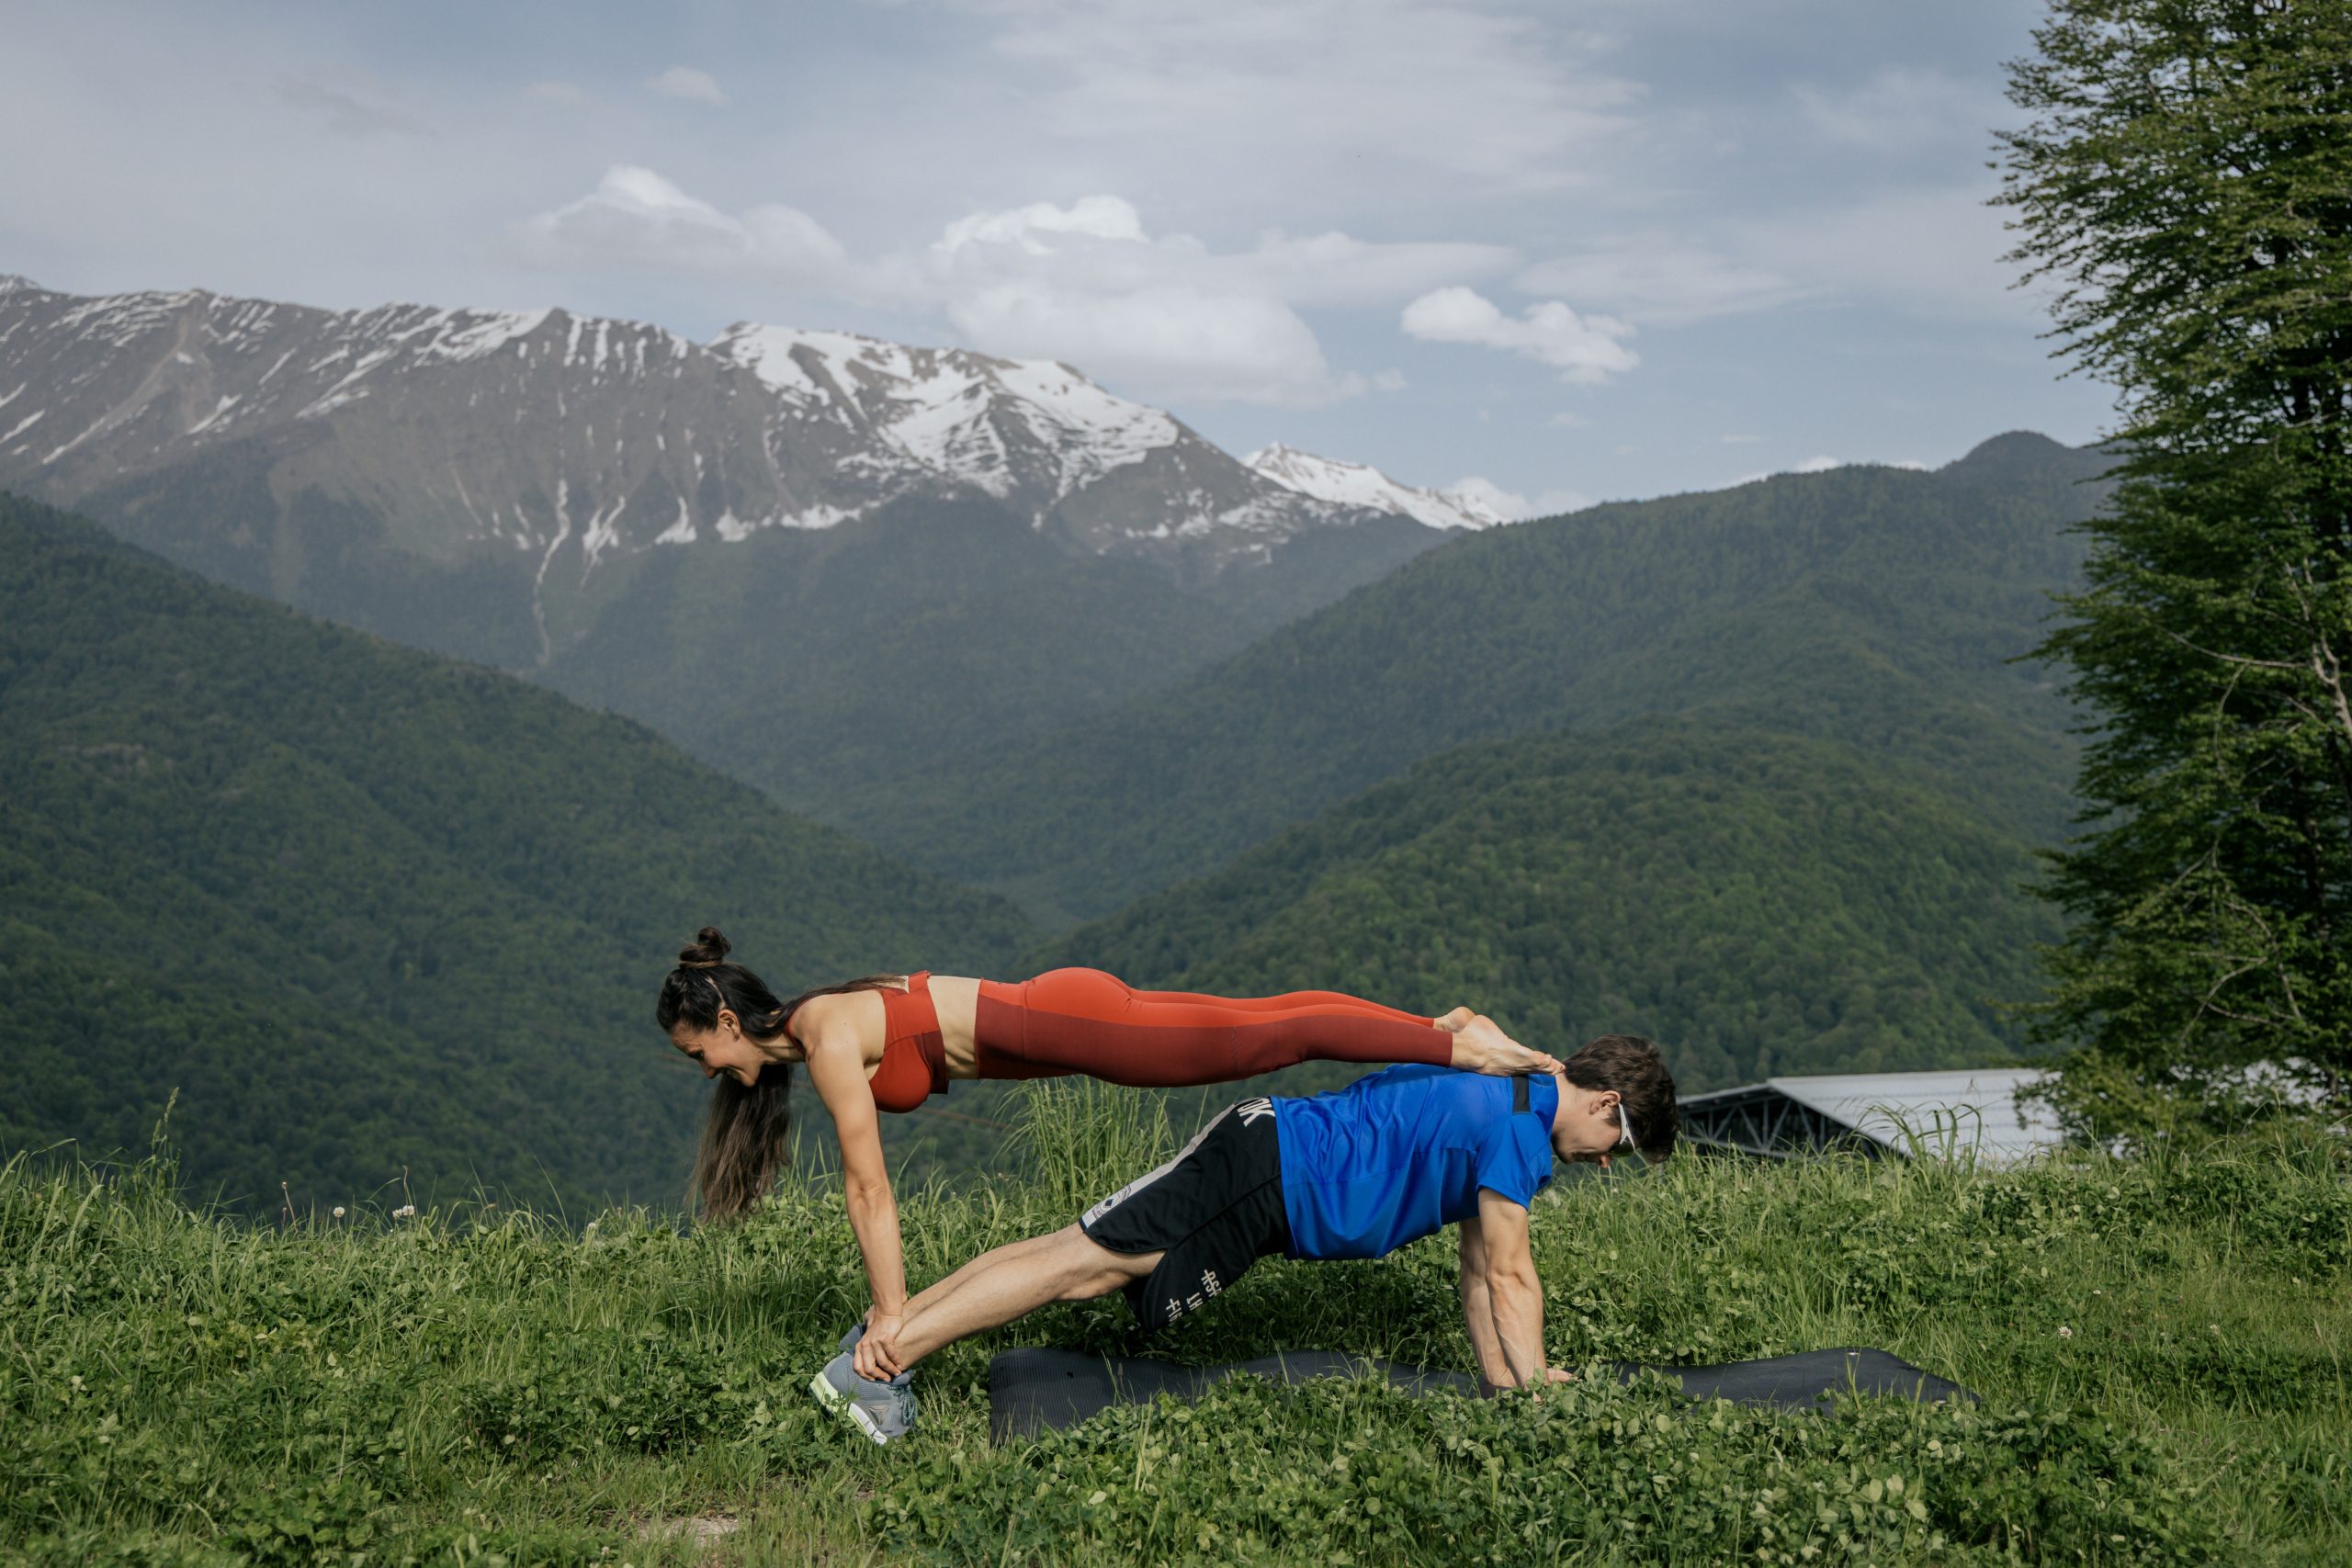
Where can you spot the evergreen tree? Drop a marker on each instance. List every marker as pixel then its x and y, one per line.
pixel 2185 183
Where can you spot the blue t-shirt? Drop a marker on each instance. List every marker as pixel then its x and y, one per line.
pixel 1402 1154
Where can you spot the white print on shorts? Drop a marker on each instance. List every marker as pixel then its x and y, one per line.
pixel 1251 1110
pixel 1147 1178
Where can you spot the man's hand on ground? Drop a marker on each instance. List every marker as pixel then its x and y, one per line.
pixel 1534 1388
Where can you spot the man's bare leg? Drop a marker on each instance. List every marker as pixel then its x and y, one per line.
pixel 1013 1254
pixel 1009 1252
pixel 997 1287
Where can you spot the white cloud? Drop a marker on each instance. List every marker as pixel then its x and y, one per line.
pixel 1250 101
pixel 350 111
pixel 686 81
pixel 1099 243
pixel 1335 269
pixel 1655 279
pixel 1818 465
pixel 568 94
pixel 1165 314
pixel 1567 419
pixel 1026 227
pixel 1176 342
pixel 1936 249
pixel 635 219
pixel 1899 109
pixel 1585 350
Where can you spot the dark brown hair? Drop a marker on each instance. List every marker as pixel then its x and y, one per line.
pixel 743 1141
pixel 1630 1065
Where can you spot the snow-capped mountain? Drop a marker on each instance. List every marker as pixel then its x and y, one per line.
pixel 562 444
pixel 1029 431
pixel 1360 485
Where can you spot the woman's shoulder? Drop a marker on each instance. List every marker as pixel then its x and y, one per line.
pixel 833 1013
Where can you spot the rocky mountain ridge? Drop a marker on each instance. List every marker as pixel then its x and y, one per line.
pixel 268 443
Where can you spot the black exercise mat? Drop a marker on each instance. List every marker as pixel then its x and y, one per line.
pixel 1032 1390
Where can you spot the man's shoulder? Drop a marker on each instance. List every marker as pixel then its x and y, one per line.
pixel 1449 1092
pixel 1418 1079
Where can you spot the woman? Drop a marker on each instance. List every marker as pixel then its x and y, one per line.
pixel 887 1043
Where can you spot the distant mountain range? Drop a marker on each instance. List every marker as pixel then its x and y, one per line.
pixel 813 559
pixel 464 480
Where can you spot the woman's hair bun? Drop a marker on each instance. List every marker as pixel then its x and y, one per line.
pixel 710 947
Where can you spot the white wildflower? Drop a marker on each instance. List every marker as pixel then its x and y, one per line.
pixel 2064 1332
pixel 405 1211
pixel 338 1211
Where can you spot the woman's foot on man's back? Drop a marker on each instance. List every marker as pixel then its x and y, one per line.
pixel 1481 1046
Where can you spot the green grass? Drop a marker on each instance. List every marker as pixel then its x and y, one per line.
pixel 483 1387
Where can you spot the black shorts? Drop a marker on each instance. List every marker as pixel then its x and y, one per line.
pixel 1213 1210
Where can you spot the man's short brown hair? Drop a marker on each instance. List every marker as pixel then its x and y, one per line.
pixel 1630 1065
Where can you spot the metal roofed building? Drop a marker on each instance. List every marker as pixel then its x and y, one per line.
pixel 1877 1114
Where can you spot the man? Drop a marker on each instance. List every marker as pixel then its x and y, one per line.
pixel 1394 1157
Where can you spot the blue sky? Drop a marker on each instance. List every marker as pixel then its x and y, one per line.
pixel 1579 250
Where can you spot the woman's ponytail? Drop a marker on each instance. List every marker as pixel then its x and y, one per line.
pixel 745 1141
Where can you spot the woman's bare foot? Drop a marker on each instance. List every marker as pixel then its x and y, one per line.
pixel 1481 1046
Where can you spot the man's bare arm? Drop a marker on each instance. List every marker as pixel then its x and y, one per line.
pixel 1477 1306
pixel 1514 1295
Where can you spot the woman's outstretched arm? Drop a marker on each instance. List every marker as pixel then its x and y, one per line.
pixel 838 1069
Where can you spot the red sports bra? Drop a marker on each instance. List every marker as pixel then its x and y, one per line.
pixel 914 1058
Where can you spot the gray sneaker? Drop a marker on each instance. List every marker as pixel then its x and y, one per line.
pixel 882 1410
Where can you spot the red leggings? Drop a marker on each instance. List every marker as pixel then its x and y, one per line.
pixel 1084 1021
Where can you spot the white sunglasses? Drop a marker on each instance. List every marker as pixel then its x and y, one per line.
pixel 1626 1127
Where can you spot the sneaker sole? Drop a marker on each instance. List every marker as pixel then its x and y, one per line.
pixel 839 1404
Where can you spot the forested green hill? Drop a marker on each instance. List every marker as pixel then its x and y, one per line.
pixel 365 908
pixel 1866 603
pixel 810 662
pixel 1758 903
pixel 806 661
